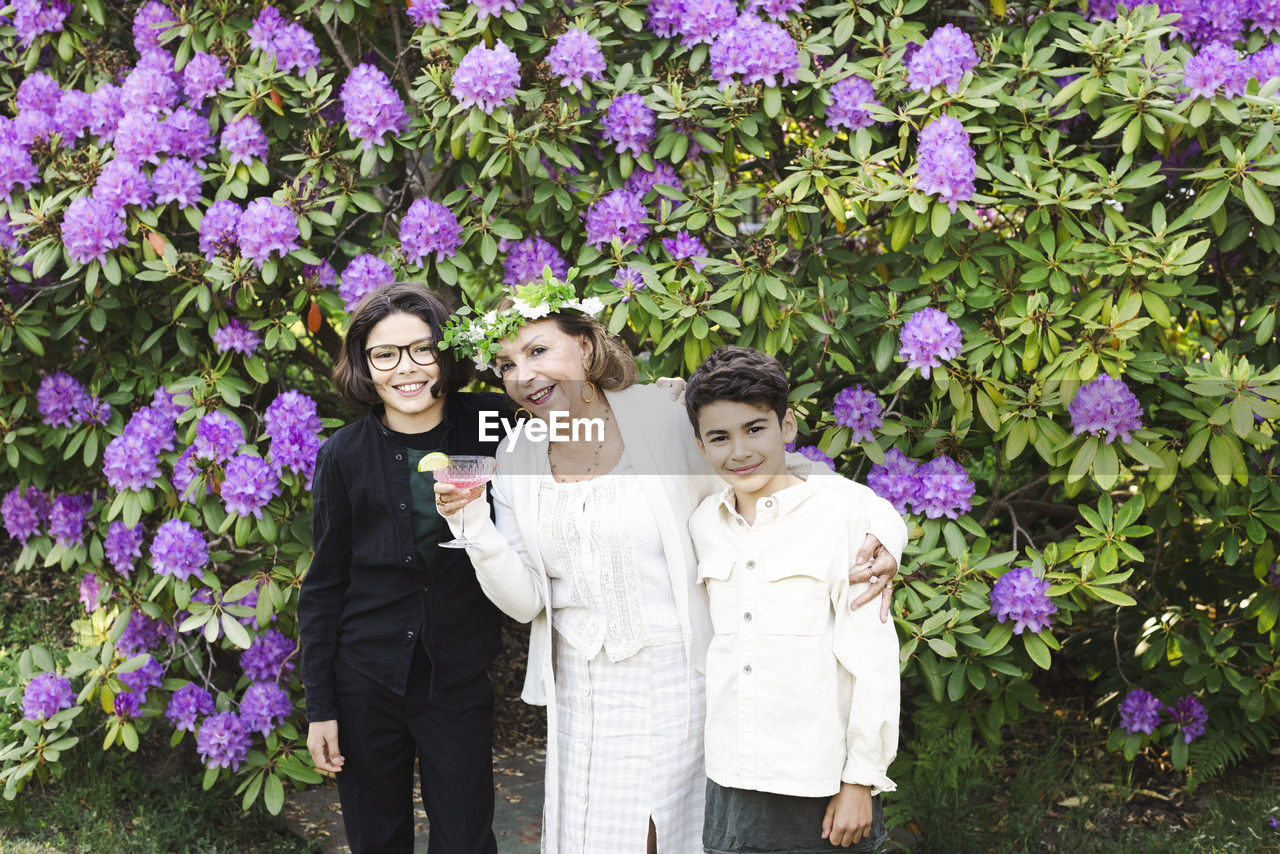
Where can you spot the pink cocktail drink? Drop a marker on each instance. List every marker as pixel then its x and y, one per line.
pixel 465 473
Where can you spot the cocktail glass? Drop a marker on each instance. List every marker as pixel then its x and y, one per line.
pixel 465 473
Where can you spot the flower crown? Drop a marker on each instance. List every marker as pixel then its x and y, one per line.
pixel 479 338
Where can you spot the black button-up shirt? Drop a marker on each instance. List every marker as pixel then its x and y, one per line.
pixel 367 597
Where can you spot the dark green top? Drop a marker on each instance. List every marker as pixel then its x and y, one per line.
pixel 429 529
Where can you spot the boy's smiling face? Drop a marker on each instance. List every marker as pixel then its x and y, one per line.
pixel 746 445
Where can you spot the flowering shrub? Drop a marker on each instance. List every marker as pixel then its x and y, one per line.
pixel 1019 269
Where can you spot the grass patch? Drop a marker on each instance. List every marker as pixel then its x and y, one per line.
pixel 148 803
pixel 1050 787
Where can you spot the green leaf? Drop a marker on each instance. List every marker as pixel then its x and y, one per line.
pixel 772 101
pixel 1258 202
pixel 1036 648
pixel 273 792
pixel 235 632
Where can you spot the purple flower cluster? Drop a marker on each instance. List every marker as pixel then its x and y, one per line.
pixel 178 550
pixel 946 165
pixel 940 487
pixel 850 98
pixel 131 460
pixel 1190 716
pixel 1217 67
pixel 423 12
pixel 292 424
pixel 122 546
pixel 529 257
pixel 292 45
pixel 495 8
pixel 364 274
pixel 62 401
pixel 700 21
pixel 16 166
pixel 127 705
pixel 244 140
pixel 1105 407
pixel 151 21
pixel 372 107
pixel 67 518
pixel 149 675
pixel 628 123
pixel 928 337
pixel 90 592
pixel 320 275
pixel 148 90
pixel 756 51
pixel 236 337
pixel 942 61
pixel 46 695
pixel 121 183
pixel 219 230
pixel 185 472
pixel 24 512
pixel 685 245
pixel 190 135
pixel 218 437
pixel 90 229
pixel 576 56
pixel 486 77
pixel 1140 712
pixel 429 227
pixel 1265 64
pixel 944 489
pixel 860 411
pixel 628 280
pixel 665 17
pixel 32 18
pixel 264 706
pixel 266 227
pixel 223 741
pixel 641 180
pixel 269 657
pixel 203 77
pixel 814 453
pixel 1022 596
pixel 619 214
pixel 248 485
pixel 186 704
pixel 142 634
pixel 142 137
pixel 176 180
pixel 776 9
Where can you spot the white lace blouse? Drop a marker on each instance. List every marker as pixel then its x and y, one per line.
pixel 610 587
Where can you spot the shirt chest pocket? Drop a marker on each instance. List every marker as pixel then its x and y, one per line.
pixel 795 600
pixel 723 598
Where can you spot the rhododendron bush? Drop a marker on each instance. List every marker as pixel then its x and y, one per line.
pixel 1018 258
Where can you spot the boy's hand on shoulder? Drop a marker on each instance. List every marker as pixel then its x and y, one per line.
pixel 848 818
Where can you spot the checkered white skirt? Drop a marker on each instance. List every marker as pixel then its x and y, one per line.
pixel 629 748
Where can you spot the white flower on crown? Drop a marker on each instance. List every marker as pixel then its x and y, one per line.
pixel 529 310
pixel 591 306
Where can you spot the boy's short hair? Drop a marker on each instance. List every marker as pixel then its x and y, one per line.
pixel 740 375
pixel 351 374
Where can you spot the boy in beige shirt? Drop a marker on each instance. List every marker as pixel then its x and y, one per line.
pixel 802 693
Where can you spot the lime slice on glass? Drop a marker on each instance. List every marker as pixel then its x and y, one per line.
pixel 433 461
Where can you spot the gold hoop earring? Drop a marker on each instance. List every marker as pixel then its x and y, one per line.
pixel 588 385
pixel 528 416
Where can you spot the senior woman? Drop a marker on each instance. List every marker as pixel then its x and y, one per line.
pixel 591 546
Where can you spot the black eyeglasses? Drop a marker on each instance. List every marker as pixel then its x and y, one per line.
pixel 386 357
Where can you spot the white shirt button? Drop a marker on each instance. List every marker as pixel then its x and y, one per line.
pixel 751 564
pixel 747 616
pixel 746 669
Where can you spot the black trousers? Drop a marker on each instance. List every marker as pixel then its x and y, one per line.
pixel 449 733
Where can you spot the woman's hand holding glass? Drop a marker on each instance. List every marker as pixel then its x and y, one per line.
pixel 451 500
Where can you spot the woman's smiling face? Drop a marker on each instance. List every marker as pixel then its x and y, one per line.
pixel 406 388
pixel 542 368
